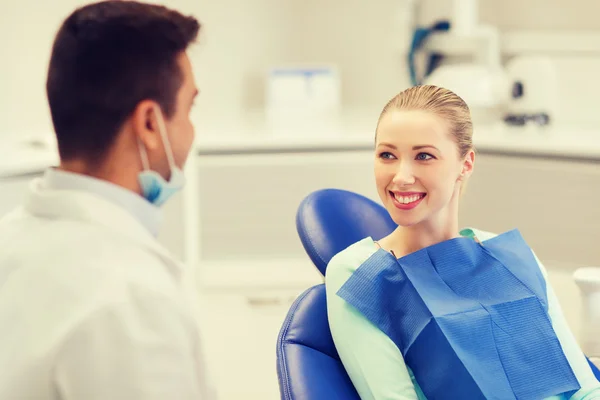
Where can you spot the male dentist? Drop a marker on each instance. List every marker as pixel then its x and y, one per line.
pixel 91 305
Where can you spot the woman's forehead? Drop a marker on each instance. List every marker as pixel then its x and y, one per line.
pixel 412 126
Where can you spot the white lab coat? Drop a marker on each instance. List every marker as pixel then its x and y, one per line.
pixel 92 306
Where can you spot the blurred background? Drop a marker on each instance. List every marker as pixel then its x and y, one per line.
pixel 290 94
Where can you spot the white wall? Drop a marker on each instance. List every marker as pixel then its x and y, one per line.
pixel 26 30
pixel 241 38
pixel 542 14
pixel 365 39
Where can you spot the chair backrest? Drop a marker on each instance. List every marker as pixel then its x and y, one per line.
pixel 330 220
pixel 595 369
pixel 308 365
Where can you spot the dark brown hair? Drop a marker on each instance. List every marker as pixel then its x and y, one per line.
pixel 106 58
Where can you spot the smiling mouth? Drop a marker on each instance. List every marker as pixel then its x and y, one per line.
pixel 412 198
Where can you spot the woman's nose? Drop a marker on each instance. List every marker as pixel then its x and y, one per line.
pixel 404 175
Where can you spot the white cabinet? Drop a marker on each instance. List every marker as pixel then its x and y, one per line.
pixel 553 202
pixel 248 202
pixel 244 306
pixel 241 332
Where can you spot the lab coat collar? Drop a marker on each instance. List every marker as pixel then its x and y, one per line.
pixel 145 212
pixel 93 209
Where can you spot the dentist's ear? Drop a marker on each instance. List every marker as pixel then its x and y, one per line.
pixel 145 125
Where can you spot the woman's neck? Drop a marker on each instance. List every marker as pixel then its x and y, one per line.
pixel 408 239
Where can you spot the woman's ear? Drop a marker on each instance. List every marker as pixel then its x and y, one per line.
pixel 468 165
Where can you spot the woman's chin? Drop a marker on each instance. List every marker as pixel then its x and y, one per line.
pixel 406 221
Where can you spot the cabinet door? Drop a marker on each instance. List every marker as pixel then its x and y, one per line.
pixel 554 203
pixel 172 232
pixel 240 330
pixel 248 203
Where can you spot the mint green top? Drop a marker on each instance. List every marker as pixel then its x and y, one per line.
pixel 375 364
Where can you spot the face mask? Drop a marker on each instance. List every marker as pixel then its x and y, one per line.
pixel 155 188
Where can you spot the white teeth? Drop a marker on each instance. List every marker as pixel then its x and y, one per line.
pixel 407 199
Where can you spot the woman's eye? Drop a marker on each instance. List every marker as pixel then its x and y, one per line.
pixel 424 156
pixel 386 155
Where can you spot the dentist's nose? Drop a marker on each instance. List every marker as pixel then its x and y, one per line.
pixel 404 175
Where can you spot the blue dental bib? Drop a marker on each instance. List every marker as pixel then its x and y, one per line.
pixel 471 320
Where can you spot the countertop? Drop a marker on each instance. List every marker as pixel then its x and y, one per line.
pixel 582 145
pixel 26 157
pixel 351 133
pixel 254 135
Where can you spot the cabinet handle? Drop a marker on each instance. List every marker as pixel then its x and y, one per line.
pixel 263 301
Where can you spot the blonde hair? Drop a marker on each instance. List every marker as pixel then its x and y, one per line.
pixel 441 102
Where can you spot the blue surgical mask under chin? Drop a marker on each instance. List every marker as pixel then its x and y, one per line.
pixel 155 188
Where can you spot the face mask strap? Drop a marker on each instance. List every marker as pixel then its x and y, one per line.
pixel 162 129
pixel 143 155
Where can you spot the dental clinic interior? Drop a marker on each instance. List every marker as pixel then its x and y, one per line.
pixel 290 93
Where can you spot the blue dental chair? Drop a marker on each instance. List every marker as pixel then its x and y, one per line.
pixel 308 365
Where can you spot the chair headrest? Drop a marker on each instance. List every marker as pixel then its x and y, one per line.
pixel 330 220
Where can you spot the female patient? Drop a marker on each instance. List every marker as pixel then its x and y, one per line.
pixel 434 312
